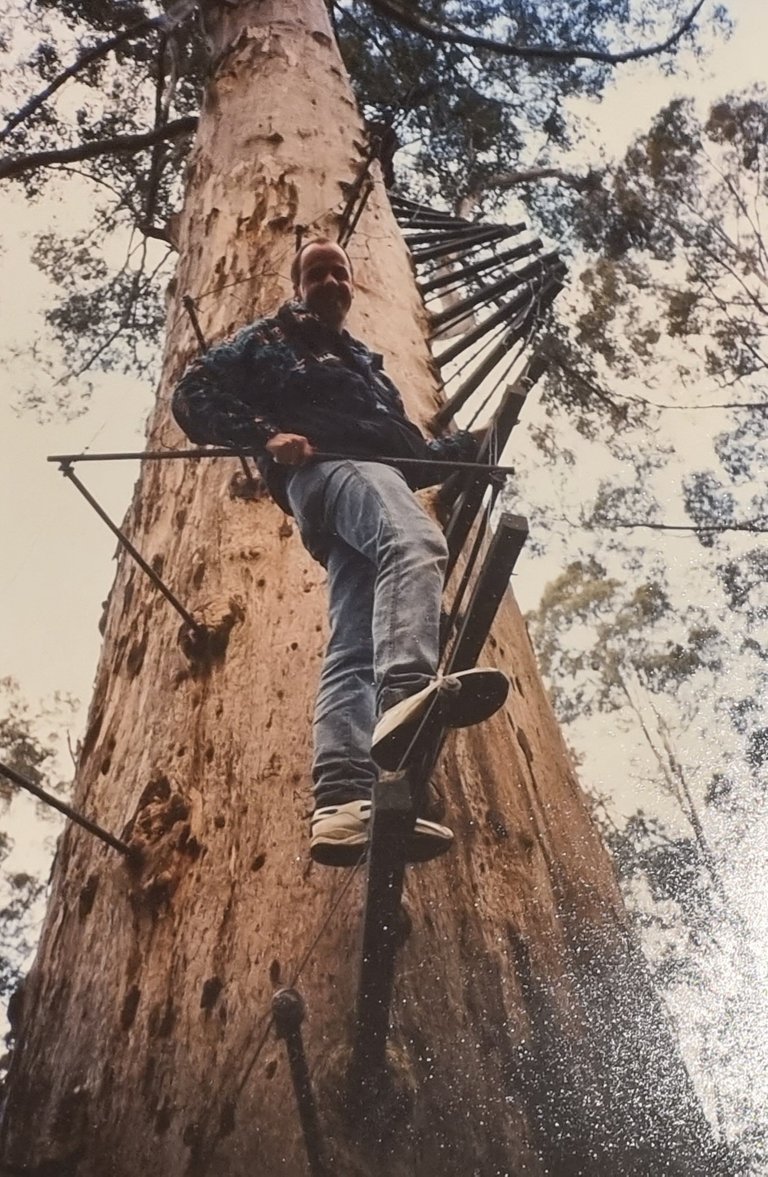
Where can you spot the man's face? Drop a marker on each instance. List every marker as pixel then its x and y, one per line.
pixel 325 283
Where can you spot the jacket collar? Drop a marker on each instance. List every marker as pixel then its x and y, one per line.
pixel 303 317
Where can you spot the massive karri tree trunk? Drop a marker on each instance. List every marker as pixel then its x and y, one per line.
pixel 526 1035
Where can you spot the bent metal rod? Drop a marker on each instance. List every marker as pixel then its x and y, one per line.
pixel 47 798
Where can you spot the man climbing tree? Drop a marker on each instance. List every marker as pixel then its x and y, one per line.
pixel 290 386
pixel 143 1041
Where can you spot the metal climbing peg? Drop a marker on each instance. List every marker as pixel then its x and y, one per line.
pixel 288 1011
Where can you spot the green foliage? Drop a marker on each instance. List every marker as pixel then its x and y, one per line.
pixel 677 227
pixel 672 871
pixel 25 749
pixel 592 632
pixel 672 290
pixel 20 894
pixel 464 119
pixel 109 311
pixel 20 747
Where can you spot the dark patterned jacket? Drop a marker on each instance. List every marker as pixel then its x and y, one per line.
pixel 292 374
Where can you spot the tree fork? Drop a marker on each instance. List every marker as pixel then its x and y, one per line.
pixel 525 1034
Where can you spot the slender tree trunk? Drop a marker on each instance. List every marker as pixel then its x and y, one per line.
pixel 526 1038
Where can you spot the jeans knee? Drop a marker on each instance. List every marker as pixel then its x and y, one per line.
pixel 441 545
pixel 423 552
pixel 429 543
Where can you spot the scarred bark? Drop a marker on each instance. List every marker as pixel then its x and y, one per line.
pixel 526 1039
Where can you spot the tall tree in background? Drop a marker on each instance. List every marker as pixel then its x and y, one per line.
pixel 141 1039
pixel 29 746
pixel 669 326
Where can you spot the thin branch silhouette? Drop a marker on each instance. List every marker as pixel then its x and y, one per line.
pixel 451 36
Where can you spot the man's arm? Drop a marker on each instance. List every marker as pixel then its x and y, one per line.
pixel 207 406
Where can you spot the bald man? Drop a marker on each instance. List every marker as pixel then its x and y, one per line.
pixel 286 389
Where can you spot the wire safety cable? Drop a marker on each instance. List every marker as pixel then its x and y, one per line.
pixel 301 966
pixel 482 347
pixel 354 870
pixel 343 890
pixel 418 733
pixel 486 400
pixel 318 936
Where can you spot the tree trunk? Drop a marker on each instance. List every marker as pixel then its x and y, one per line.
pixel 526 1038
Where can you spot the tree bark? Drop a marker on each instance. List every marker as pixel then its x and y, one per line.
pixel 526 1038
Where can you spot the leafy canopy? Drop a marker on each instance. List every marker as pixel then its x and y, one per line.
pixel 468 118
pixel 28 746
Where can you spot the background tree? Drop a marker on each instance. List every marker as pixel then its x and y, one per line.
pixel 679 219
pixel 24 748
pixel 677 229
pixel 671 307
pixel 623 651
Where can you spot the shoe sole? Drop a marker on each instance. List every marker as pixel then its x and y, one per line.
pixel 332 852
pixel 483 695
pixel 421 847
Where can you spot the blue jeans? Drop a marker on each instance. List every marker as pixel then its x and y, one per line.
pixel 386 561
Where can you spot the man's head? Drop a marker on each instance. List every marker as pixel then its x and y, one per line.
pixel 322 278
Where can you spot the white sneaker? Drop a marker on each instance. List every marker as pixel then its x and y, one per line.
pixel 339 835
pixel 468 697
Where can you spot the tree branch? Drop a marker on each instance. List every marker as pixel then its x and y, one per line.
pixel 600 393
pixel 18 165
pixel 167 20
pixel 123 198
pixel 396 10
pixel 741 204
pixel 738 328
pixel 608 397
pixel 86 58
pixel 506 180
pixel 671 783
pixel 761 406
pixel 162 107
pixel 687 803
pixel 756 527
pixel 503 181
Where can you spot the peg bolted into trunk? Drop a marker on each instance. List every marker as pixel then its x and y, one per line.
pixel 526 1038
